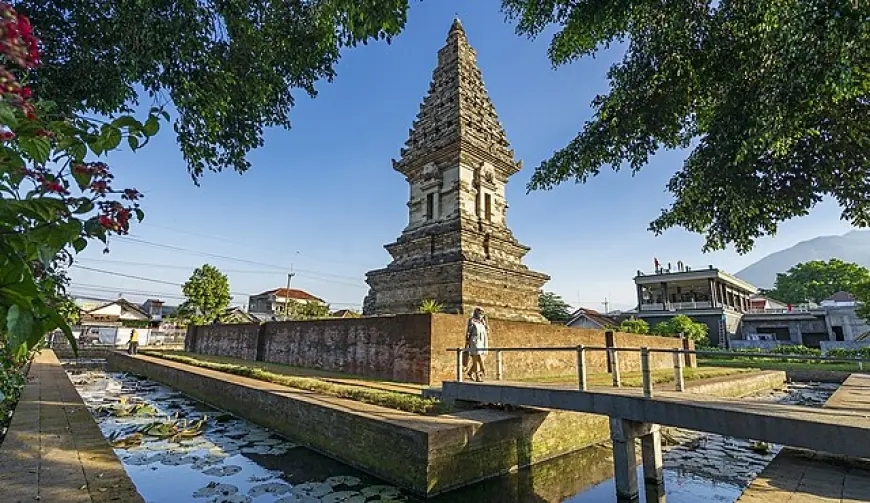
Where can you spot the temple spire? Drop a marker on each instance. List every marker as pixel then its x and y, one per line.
pixel 457 112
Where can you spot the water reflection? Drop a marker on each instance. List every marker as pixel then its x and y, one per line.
pixel 236 461
pixel 229 461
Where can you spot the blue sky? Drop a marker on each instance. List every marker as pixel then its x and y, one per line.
pixel 324 198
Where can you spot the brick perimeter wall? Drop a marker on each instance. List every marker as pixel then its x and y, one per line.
pixel 449 332
pixel 413 347
pixel 386 347
pixel 237 341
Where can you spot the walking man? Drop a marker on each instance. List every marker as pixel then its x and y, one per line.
pixel 134 342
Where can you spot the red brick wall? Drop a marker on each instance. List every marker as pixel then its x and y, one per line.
pixel 237 341
pixel 413 347
pixel 448 331
pixel 385 347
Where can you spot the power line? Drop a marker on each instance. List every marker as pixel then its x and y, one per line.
pixel 319 275
pixel 140 278
pixel 247 245
pixel 110 290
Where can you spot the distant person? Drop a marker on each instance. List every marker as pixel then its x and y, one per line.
pixel 134 342
pixel 477 340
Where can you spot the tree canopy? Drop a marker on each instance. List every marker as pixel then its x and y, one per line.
pixel 817 280
pixel 230 67
pixel 553 307
pixel 208 295
pixel 771 96
pixel 682 324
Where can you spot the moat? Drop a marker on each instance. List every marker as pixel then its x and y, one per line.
pixel 177 449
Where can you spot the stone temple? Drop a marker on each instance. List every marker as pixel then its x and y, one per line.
pixel 457 248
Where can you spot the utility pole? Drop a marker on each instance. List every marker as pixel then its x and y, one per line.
pixel 287 293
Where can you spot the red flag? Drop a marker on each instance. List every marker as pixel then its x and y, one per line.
pixel 656 262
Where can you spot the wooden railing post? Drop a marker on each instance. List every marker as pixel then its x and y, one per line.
pixel 614 366
pixel 499 366
pixel 646 373
pixel 679 379
pixel 581 368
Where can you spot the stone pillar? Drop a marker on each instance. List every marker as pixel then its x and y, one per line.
pixel 622 434
pixel 624 460
pixel 639 298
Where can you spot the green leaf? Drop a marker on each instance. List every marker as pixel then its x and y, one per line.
pixel 46 255
pixel 133 142
pixel 152 126
pixel 85 206
pixel 78 151
pixel 111 138
pixel 7 115
pixel 37 148
pixel 82 179
pixel 80 244
pixel 140 215
pixel 126 121
pixel 19 323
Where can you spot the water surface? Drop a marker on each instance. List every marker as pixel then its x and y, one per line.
pixel 233 460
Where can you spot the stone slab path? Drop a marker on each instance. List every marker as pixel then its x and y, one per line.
pixel 797 476
pixel 54 451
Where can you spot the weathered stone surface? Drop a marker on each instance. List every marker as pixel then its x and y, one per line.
pixel 413 347
pixel 457 248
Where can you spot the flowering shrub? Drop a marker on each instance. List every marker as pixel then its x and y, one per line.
pixel 52 198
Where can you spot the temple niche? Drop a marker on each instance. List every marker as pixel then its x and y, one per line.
pixel 457 248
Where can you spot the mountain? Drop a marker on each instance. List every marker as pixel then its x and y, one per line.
pixel 853 246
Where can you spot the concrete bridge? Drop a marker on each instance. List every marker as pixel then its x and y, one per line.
pixel 636 413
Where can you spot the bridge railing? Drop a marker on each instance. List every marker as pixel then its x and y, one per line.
pixel 646 369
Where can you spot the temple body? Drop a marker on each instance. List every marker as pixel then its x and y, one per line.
pixel 457 248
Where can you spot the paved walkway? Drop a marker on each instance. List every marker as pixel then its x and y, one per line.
pixel 797 476
pixel 54 450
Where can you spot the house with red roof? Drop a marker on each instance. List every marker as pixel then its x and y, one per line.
pixel 274 303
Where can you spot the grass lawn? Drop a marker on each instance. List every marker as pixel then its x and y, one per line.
pixel 397 396
pixel 634 379
pixel 775 364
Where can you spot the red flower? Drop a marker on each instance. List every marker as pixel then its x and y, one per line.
pixel 7 135
pixel 100 187
pixel 54 187
pixel 131 194
pixel 106 222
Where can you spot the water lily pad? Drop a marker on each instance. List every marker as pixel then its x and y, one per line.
pixel 207 461
pixel 232 498
pixel 223 471
pixel 260 478
pixel 382 492
pixel 342 481
pixel 256 449
pixel 215 489
pixel 344 497
pixel 269 488
pixel 295 498
pixel 173 459
pixel 314 489
pixel 139 459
